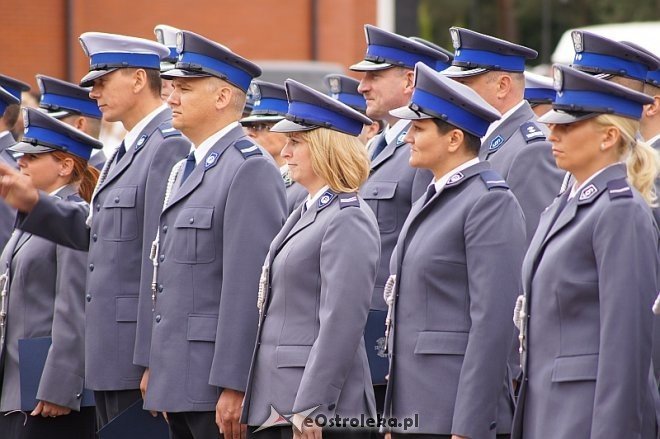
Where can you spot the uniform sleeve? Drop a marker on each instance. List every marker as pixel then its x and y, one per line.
pixel 59 221
pixel 535 180
pixel 626 251
pixel 254 214
pixel 170 151
pixel 350 252
pixel 63 375
pixel 495 245
pixel 7 221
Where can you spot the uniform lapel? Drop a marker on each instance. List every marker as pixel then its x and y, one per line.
pixel 503 133
pixel 390 148
pixel 308 217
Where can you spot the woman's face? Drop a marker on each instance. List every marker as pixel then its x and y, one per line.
pixel 576 146
pixel 299 159
pixel 427 145
pixel 43 169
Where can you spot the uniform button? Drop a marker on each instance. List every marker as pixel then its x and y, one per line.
pixel 78 395
pixel 191 220
pixel 95 237
pixel 158 318
pixel 164 229
pixel 116 199
pixel 91 267
pixel 98 207
pixel 375 192
pixel 331 407
pixel 162 258
pixel 160 288
pixel 88 297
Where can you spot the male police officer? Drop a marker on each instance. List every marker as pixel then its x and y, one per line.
pixel 72 105
pixel 539 92
pixel 125 79
pixel 224 205
pixel 515 145
pixel 393 185
pixel 167 35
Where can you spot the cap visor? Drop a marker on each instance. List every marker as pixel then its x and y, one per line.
pixel 286 126
pixel 179 73
pixel 460 72
pixel 261 118
pixel 561 117
pixel 28 148
pixel 166 67
pixel 408 113
pixel 368 66
pixel 88 79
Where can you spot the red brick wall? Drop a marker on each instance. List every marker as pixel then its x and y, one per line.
pixel 34 31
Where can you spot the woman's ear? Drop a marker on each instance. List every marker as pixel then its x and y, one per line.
pixel 66 167
pixel 456 138
pixel 611 137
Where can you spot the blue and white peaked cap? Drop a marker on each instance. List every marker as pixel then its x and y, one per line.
pixel 345 89
pixel 7 99
pixel 310 109
pixel 653 76
pixel 44 133
pixel 440 65
pixel 436 96
pixel 63 98
pixel 582 96
pixel 601 56
pixel 539 89
pixel 386 49
pixel 13 86
pixel 166 35
pixel 269 103
pixel 476 53
pixel 200 57
pixel 109 52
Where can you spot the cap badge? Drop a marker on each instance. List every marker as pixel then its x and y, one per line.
pixel 335 85
pixel 577 41
pixel 455 38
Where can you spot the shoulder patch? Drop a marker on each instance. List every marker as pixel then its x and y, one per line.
pixel 531 132
pixel 247 148
pixel 619 188
pixel 493 180
pixel 348 200
pixel 496 143
pixel 326 199
pixel 168 130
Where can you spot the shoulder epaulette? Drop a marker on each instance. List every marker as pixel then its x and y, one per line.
pixel 75 198
pixel 349 199
pixel 619 188
pixel 247 148
pixel 168 130
pixel 531 132
pixel 493 180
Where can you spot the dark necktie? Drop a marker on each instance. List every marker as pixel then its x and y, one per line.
pixel 190 165
pixel 430 192
pixel 381 143
pixel 121 151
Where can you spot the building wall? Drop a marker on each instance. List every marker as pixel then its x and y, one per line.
pixel 34 36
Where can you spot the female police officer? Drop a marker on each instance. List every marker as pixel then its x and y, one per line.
pixel 590 274
pixel 456 269
pixel 317 279
pixel 43 293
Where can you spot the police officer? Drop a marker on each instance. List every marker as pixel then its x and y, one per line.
pixel 72 105
pixel 393 185
pixel 224 204
pixel 9 109
pixel 539 93
pixel 455 271
pixel 345 90
pixel 586 327
pixel 269 105
pixel 43 294
pixel 166 35
pixel 317 280
pixel 515 145
pixel 124 75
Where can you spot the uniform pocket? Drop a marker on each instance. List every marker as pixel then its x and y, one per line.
pixel 379 195
pixel 201 346
pixel 575 368
pixel 441 343
pixel 292 356
pixel 120 219
pixel 194 241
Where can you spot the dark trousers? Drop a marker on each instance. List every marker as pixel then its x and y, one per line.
pixel 20 425
pixel 287 433
pixel 435 436
pixel 193 425
pixel 109 403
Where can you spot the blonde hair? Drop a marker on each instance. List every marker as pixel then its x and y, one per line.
pixel 642 160
pixel 339 159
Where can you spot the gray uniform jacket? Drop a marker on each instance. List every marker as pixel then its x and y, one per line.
pixel 457 264
pixel 656 320
pixel 590 278
pixel 310 351
pixel 46 299
pixel 98 160
pixel 390 191
pixel 7 214
pixel 126 210
pixel 519 152
pixel 214 236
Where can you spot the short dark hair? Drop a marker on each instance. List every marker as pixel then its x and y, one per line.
pixel 472 142
pixel 153 79
pixel 10 116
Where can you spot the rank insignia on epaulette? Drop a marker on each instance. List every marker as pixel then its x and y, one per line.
pixel 531 132
pixel 141 141
pixel 211 160
pixel 455 178
pixel 348 200
pixel 619 189
pixel 288 181
pixel 588 192
pixel 496 143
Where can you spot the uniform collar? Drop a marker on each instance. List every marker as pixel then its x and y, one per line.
pixel 204 147
pixel 577 189
pixel 392 132
pixel 493 126
pixel 311 199
pixel 653 139
pixel 132 136
pixel 442 181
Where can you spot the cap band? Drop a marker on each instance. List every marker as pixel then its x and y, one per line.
pixel 270 105
pixel 198 62
pixel 351 99
pixel 106 60
pixel 595 102
pixel 52 139
pixel 481 58
pixel 445 110
pixel 315 115
pixel 653 78
pixel 610 64
pixel 59 102
pixel 540 95
pixel 393 55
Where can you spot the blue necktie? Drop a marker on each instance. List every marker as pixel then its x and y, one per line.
pixel 190 165
pixel 430 192
pixel 381 143
pixel 121 151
